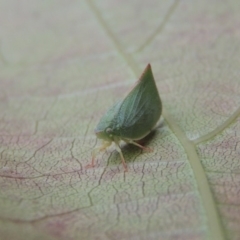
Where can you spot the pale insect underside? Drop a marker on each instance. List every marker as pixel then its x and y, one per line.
pixel 106 144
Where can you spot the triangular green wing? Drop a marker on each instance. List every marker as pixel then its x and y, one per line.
pixel 109 119
pixel 140 110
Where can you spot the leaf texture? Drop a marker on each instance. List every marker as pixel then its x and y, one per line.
pixel 63 63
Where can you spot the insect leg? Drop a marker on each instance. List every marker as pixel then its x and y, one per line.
pixel 121 155
pixel 97 150
pixel 138 145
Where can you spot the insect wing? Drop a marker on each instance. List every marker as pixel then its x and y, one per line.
pixel 108 120
pixel 140 110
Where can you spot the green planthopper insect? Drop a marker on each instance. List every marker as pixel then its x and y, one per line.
pixel 131 119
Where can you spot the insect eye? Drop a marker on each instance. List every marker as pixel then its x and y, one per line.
pixel 108 130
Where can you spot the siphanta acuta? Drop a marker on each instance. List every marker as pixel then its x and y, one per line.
pixel 131 119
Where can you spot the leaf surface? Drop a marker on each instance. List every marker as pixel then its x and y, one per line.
pixel 63 64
